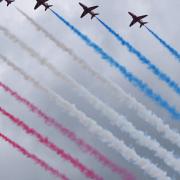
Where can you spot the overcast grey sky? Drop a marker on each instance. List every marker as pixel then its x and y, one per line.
pixel 163 18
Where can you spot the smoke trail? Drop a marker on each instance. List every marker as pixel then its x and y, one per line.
pixel 161 75
pixel 104 135
pixel 15 39
pixel 34 158
pixel 122 123
pixel 115 119
pixel 59 44
pixel 47 34
pixel 71 135
pixel 134 80
pixel 122 96
pixel 44 140
pixel 173 51
pixel 133 104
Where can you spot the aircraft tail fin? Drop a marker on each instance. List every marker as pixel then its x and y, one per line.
pixel 94 15
pixel 142 24
pixel 48 6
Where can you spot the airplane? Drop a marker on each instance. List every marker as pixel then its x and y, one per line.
pixel 88 10
pixel 8 1
pixel 44 3
pixel 137 19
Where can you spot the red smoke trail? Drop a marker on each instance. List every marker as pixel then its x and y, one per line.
pixel 71 135
pixel 44 140
pixel 33 157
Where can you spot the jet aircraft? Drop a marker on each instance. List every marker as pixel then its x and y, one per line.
pixel 42 2
pixel 137 19
pixel 88 10
pixel 8 1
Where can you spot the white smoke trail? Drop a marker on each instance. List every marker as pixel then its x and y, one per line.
pixel 129 101
pixel 115 119
pixel 48 35
pixel 120 121
pixel 104 135
pixel 122 96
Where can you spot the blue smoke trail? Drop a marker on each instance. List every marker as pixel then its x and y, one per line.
pixel 135 81
pixel 162 76
pixel 165 44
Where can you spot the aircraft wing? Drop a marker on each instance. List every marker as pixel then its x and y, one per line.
pixel 141 17
pixel 133 22
pixel 92 8
pixel 84 13
pixel 37 5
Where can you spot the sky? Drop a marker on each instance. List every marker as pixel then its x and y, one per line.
pixel 163 18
